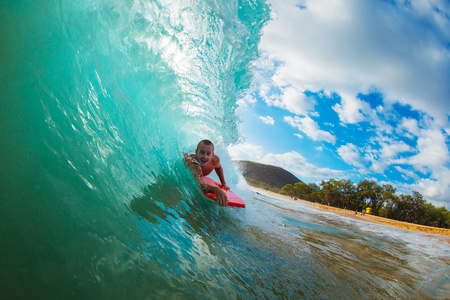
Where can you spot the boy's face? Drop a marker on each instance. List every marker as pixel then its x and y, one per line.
pixel 204 154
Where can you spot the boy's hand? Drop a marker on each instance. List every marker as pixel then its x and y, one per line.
pixel 221 197
pixel 225 186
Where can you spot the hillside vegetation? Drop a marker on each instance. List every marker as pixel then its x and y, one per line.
pixel 382 200
pixel 268 177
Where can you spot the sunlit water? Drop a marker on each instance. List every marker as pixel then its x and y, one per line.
pixel 99 99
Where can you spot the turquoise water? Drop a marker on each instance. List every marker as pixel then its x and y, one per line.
pixel 98 101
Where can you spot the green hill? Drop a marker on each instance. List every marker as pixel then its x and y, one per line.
pixel 265 176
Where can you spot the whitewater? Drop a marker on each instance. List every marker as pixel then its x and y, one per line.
pixel 99 99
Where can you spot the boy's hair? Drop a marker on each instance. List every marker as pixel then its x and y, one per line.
pixel 206 142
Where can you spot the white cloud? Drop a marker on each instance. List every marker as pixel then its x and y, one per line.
pixel 310 128
pixel 392 149
pixel 268 120
pixel 351 155
pixel 287 97
pixel 433 151
pixel 296 102
pixel 386 153
pixel 297 164
pixel 351 109
pixel 247 101
pixel 410 126
pixel 435 189
pixel 376 158
pixel 349 47
pixel 245 151
pixel 407 174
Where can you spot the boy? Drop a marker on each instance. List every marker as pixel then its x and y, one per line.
pixel 201 163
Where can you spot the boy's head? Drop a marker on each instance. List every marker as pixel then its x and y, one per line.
pixel 204 152
pixel 206 142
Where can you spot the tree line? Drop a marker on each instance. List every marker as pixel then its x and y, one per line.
pixel 382 199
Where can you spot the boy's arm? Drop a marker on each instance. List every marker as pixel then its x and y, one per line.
pixel 221 197
pixel 219 172
pixel 193 166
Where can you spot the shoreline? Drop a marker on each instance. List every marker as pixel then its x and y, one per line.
pixel 367 217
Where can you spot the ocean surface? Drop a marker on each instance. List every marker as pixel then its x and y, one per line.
pixel 99 99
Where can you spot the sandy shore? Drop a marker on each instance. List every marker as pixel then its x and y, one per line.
pixel 366 217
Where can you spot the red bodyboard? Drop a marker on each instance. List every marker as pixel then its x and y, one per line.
pixel 233 199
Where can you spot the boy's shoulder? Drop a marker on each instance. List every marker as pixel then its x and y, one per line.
pixel 191 161
pixel 215 159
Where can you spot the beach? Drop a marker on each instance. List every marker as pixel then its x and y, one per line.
pixel 367 217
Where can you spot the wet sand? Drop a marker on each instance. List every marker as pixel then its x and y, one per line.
pixel 370 218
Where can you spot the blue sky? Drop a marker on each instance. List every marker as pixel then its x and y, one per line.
pixel 354 89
